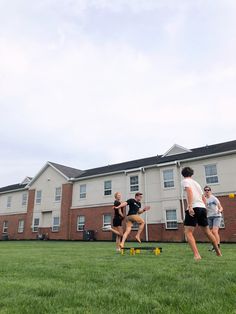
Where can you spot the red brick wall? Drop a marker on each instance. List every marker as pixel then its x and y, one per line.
pixel 28 230
pixel 13 221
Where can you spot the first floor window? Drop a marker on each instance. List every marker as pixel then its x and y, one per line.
pixel 56 223
pixel 83 190
pixel 5 227
pixel 9 199
pixel 80 223
pixel 24 199
pixel 58 194
pixel 106 220
pixel 38 197
pixel 171 219
pixel 107 188
pixel 134 184
pixel 21 225
pixel 168 177
pixel 211 174
pixel 135 226
pixel 36 225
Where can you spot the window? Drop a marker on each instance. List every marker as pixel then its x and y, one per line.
pixel 58 194
pixel 222 224
pixel 24 199
pixel 80 223
pixel 21 225
pixel 38 197
pixel 106 220
pixel 107 188
pixel 211 174
pixel 5 227
pixel 36 225
pixel 9 199
pixel 135 226
pixel 56 223
pixel 83 189
pixel 168 177
pixel 171 219
pixel 134 184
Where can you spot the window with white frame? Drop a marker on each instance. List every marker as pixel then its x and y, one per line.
pixel 38 199
pixel 168 178
pixel 107 187
pixel 222 223
pixel 9 199
pixel 171 219
pixel 134 184
pixel 21 226
pixel 55 223
pixel 83 191
pixel 5 227
pixel 106 220
pixel 58 194
pixel 36 225
pixel 24 199
pixel 211 174
pixel 80 223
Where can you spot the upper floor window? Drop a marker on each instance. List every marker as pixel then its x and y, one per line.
pixel 83 191
pixel 9 199
pixel 211 174
pixel 108 187
pixel 5 227
pixel 58 194
pixel 168 177
pixel 171 219
pixel 56 223
pixel 24 199
pixel 80 223
pixel 21 225
pixel 38 197
pixel 134 184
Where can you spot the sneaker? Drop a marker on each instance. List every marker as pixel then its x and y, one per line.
pixel 211 249
pixel 106 228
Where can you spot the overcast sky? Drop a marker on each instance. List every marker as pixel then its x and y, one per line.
pixel 88 83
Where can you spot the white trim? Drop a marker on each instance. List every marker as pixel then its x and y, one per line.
pixel 185 150
pixel 18 190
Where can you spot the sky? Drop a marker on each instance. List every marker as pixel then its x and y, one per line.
pixel 88 83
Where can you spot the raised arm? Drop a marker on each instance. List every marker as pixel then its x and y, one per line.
pixel 146 208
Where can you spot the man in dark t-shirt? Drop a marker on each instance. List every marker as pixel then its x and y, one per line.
pixel 133 216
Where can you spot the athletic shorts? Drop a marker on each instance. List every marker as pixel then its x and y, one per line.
pixel 117 222
pixel 135 218
pixel 214 221
pixel 200 218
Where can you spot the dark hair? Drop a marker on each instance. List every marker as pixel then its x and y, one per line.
pixel 207 187
pixel 138 194
pixel 187 172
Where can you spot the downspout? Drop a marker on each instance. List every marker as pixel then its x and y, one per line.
pixel 178 164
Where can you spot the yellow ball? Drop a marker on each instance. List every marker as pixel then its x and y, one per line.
pixel 231 195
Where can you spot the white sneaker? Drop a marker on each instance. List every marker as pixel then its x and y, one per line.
pixel 106 228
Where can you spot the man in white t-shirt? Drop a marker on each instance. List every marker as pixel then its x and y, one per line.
pixel 196 213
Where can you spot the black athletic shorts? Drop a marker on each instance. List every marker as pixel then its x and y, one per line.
pixel 199 218
pixel 117 222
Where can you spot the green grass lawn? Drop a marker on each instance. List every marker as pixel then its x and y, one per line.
pixel 78 277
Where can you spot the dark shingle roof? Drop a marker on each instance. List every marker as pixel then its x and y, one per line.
pixel 194 153
pixel 67 171
pixel 13 187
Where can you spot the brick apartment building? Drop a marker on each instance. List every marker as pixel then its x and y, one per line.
pixel 63 202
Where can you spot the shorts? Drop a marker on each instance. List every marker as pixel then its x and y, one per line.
pixel 117 222
pixel 200 218
pixel 214 221
pixel 135 218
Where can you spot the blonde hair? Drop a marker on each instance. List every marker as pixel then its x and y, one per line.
pixel 116 194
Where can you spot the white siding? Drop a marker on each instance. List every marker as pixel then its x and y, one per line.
pixel 16 203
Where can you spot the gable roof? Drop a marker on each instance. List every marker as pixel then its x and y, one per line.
pixel 175 150
pixel 13 187
pixel 200 152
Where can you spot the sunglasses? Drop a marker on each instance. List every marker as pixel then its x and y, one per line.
pixel 207 190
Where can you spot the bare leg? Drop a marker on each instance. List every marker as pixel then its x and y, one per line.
pixel 191 240
pixel 118 238
pixel 215 232
pixel 140 230
pixel 115 231
pixel 213 240
pixel 126 234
